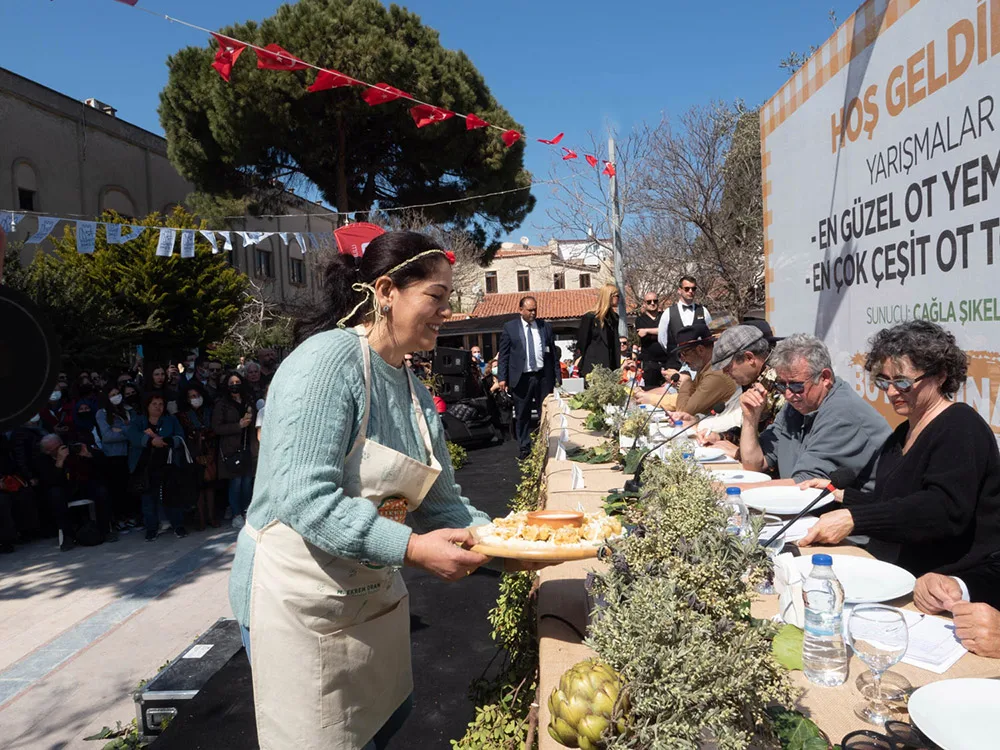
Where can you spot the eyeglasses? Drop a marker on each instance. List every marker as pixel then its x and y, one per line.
pixel 652 301
pixel 903 385
pixel 898 736
pixel 689 289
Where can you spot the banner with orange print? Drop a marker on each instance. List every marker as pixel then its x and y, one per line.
pixel 881 171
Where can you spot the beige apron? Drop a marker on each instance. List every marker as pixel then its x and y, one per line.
pixel 330 637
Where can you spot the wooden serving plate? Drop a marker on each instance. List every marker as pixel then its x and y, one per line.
pixel 552 554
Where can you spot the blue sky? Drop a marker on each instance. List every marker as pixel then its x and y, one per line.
pixel 555 65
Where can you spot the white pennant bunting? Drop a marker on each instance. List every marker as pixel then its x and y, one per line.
pixel 165 246
pixel 209 235
pixel 119 233
pixel 284 236
pixel 45 226
pixel 300 238
pixel 187 243
pixel 245 236
pixel 86 233
pixel 227 241
pixel 8 220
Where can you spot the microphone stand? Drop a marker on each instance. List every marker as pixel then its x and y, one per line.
pixel 632 485
pixel 834 484
pixel 656 406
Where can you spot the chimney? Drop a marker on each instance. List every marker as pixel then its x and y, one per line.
pixel 100 106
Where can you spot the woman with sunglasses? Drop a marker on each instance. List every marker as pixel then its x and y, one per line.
pixel 937 487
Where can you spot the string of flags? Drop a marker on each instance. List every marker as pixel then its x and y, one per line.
pixel 117 234
pixel 273 57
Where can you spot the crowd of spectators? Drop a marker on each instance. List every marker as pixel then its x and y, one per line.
pixel 158 446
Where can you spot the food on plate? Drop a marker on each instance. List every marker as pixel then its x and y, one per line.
pixel 520 531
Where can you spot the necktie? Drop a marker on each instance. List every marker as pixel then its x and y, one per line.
pixel 532 365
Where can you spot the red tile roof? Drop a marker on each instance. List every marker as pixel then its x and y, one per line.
pixel 520 251
pixel 564 303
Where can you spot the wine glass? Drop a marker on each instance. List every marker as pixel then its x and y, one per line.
pixel 879 637
pixel 772 525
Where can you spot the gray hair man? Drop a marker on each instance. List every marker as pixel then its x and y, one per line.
pixel 824 425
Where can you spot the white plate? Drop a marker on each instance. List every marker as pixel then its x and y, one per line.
pixel 865 580
pixel 739 476
pixel 958 714
pixel 709 454
pixel 780 499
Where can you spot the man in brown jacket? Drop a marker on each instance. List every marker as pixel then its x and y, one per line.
pixel 695 345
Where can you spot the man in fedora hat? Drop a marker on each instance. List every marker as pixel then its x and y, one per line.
pixel 695 346
pixel 741 353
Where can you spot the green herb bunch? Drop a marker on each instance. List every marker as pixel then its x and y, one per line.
pixel 603 389
pixel 675 620
pixel 634 424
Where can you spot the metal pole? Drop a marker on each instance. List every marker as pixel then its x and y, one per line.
pixel 616 244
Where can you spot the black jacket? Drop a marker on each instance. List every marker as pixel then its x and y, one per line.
pixel 513 355
pixel 941 501
pixel 598 344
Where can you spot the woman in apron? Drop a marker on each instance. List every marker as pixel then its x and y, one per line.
pixel 352 448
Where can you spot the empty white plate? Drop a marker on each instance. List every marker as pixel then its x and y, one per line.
pixel 958 714
pixel 709 454
pixel 780 499
pixel 865 579
pixel 739 477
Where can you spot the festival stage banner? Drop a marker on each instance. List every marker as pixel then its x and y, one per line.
pixel 881 172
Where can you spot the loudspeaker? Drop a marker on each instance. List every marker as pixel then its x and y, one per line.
pixel 452 388
pixel 29 359
pixel 451 361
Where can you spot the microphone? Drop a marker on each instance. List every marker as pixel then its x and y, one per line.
pixel 630 390
pixel 839 479
pixel 632 485
pixel 675 378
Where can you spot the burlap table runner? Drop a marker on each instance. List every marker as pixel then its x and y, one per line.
pixel 562 603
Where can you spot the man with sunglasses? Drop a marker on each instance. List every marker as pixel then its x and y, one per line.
pixel 651 354
pixel 695 345
pixel 824 425
pixel 686 312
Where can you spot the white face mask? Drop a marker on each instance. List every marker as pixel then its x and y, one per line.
pixel 197 401
pixel 115 400
pixel 34 419
pixel 496 369
pixel 55 396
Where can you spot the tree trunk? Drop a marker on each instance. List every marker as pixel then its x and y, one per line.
pixel 342 207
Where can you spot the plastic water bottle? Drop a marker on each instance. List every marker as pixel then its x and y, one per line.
pixel 685 444
pixel 738 515
pixel 824 655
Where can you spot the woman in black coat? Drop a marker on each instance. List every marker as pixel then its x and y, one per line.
pixel 598 334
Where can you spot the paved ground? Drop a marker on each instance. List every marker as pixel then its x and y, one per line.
pixel 81 629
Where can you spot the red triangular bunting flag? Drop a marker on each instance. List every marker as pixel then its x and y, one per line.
pixel 591 160
pixel 225 57
pixel 554 141
pixel 427 114
pixel 510 137
pixel 381 93
pixel 472 122
pixel 331 79
pixel 569 154
pixel 609 169
pixel 273 57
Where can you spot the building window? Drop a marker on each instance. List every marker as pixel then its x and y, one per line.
pixel 523 284
pixel 491 282
pixel 585 281
pixel 559 281
pixel 25 199
pixel 264 263
pixel 297 271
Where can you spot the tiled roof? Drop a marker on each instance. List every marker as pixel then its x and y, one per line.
pixel 459 316
pixel 564 303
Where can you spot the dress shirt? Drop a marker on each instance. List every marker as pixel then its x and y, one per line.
pixel 536 338
pixel 687 313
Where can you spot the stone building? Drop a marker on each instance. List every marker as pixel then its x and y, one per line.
pixel 61 157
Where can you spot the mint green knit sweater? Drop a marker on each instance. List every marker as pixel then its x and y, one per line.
pixel 314 410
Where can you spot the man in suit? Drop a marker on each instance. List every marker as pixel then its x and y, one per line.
pixel 682 314
pixel 528 366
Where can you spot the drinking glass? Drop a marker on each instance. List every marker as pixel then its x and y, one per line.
pixel 879 637
pixel 772 525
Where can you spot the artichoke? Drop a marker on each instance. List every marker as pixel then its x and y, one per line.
pixel 589 702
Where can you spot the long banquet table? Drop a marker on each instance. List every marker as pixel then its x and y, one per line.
pixel 562 600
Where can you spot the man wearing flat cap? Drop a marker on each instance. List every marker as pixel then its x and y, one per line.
pixel 695 345
pixel 741 353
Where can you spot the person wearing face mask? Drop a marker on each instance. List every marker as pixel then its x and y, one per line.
pixel 113 419
pixel 352 446
pixel 195 416
pixel 85 422
pixel 130 395
pixel 151 436
pixel 233 422
pixel 54 417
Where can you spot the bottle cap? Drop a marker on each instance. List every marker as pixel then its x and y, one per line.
pixel 733 490
pixel 678 423
pixel 822 560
